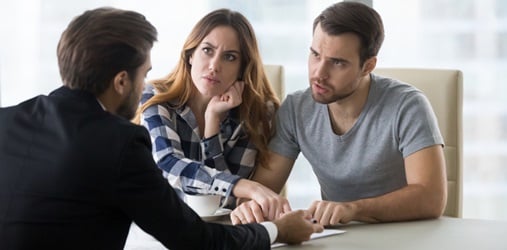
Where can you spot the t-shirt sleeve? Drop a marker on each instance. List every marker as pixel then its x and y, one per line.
pixel 417 124
pixel 284 142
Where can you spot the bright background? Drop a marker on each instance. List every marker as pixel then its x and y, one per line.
pixel 470 35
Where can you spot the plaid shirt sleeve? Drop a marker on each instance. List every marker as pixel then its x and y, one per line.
pixel 204 171
pixel 230 150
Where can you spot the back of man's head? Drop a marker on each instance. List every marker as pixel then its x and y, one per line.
pixel 100 43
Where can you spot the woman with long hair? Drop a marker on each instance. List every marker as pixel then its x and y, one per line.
pixel 211 118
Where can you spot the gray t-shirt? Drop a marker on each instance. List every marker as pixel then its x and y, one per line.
pixel 367 161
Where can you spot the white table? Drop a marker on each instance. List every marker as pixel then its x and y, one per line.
pixel 444 233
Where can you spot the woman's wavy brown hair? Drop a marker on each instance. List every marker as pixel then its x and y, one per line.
pixel 259 100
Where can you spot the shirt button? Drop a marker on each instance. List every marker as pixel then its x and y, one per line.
pixel 216 188
pixel 224 190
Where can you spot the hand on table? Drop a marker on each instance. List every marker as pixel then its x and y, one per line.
pixel 332 213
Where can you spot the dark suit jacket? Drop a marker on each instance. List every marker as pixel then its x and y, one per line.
pixel 73 176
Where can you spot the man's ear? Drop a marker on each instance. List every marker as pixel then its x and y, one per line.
pixel 369 65
pixel 121 83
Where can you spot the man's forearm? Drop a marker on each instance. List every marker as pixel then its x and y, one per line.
pixel 409 203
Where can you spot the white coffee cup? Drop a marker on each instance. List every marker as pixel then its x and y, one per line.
pixel 203 205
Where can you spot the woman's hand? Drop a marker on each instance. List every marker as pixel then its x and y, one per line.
pixel 230 99
pixel 264 204
pixel 219 106
pixel 247 212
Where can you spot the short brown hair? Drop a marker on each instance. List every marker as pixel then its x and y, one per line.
pixel 357 18
pixel 100 43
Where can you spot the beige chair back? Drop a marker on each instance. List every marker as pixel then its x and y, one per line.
pixel 275 76
pixel 444 89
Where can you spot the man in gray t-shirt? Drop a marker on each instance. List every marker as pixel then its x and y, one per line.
pixel 373 142
pixel 368 159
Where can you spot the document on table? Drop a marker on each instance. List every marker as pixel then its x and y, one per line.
pixel 325 233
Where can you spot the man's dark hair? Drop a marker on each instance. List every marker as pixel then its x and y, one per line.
pixel 357 18
pixel 101 43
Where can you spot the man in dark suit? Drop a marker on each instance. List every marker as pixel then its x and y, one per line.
pixel 75 173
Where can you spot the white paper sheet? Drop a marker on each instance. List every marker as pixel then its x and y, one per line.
pixel 325 233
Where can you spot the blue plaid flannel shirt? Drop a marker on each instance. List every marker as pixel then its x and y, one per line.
pixel 191 164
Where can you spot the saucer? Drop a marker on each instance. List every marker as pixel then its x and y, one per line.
pixel 218 214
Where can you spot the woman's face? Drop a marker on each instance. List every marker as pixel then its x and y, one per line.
pixel 216 61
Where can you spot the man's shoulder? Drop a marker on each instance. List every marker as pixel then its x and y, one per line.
pixel 299 98
pixel 298 94
pixel 394 91
pixel 301 106
pixel 122 125
pixel 392 85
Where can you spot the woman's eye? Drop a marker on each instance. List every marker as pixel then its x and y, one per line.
pixel 206 50
pixel 230 57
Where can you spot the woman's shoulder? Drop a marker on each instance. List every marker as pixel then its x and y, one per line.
pixel 148 92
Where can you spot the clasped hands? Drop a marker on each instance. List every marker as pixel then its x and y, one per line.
pixel 269 206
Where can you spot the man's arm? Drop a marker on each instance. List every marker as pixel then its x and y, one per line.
pixel 424 196
pixel 277 174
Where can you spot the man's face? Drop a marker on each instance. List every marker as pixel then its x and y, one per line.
pixel 128 107
pixel 333 66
